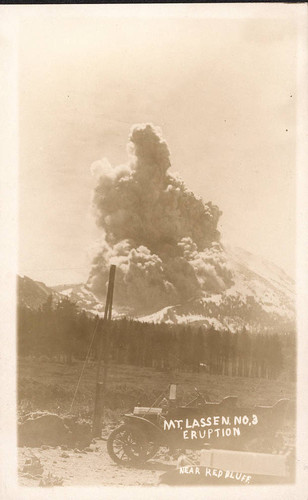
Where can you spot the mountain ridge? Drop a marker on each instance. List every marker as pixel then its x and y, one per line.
pixel 261 298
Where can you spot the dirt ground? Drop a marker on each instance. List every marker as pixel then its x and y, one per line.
pixel 91 468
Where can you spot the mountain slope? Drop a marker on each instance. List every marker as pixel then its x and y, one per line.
pixel 82 296
pixel 33 294
pixel 262 297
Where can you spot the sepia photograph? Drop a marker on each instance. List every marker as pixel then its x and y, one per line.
pixel 156 316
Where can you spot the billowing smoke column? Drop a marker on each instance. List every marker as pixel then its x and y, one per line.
pixel 162 238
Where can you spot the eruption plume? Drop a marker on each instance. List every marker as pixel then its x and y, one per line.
pixel 162 238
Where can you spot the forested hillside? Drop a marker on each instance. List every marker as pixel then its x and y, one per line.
pixel 61 330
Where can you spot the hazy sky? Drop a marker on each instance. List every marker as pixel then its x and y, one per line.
pixel 222 91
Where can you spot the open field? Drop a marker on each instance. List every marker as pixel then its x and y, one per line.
pixel 47 385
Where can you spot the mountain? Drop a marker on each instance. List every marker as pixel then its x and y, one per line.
pixel 33 294
pixel 82 296
pixel 261 298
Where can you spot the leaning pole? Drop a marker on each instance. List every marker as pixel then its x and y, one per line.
pixel 103 354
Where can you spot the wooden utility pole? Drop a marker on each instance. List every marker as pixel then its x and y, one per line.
pixel 105 332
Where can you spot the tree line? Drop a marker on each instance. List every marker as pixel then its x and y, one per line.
pixel 62 331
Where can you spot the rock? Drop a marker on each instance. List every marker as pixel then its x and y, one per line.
pixel 49 429
pixel 51 480
pixel 65 455
pixel 45 447
pixel 81 434
pixel 33 466
pixel 88 449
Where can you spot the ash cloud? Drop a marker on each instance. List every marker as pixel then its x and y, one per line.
pixel 162 238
